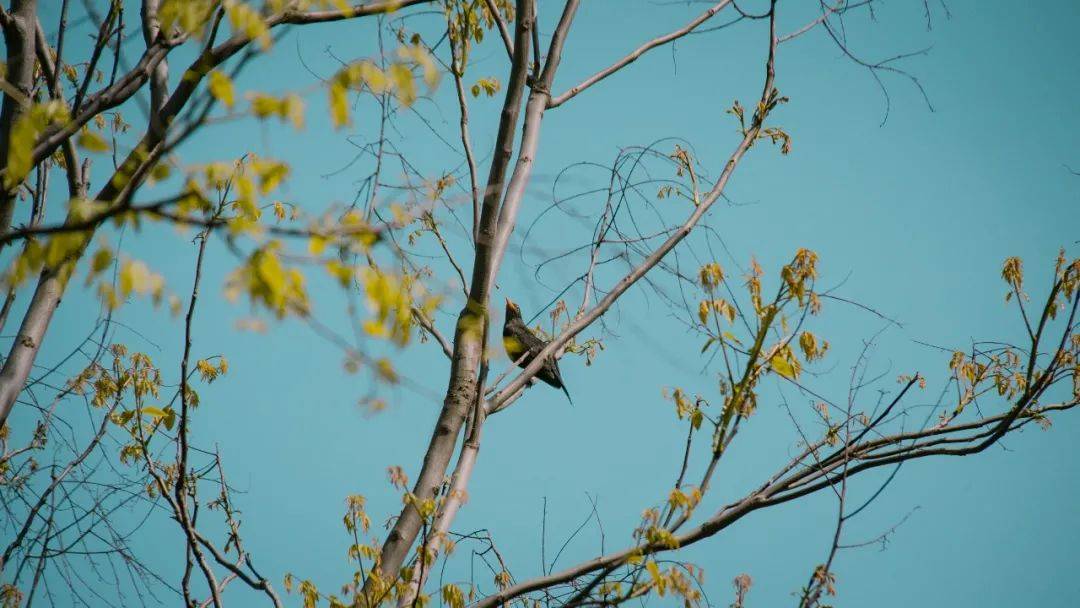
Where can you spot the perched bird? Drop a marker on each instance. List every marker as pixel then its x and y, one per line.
pixel 522 346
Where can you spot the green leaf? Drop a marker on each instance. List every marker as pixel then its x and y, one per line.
pixel 153 412
pixel 487 86
pixel 708 343
pixel 170 418
pixel 221 87
pixel 781 366
pixel 339 105
pixel 92 142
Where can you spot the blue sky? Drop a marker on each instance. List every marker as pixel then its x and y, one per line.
pixel 912 217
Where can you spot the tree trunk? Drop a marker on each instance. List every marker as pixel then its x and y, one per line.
pixel 19 38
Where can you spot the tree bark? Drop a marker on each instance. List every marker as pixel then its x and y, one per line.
pixel 496 225
pixel 468 347
pixel 20 40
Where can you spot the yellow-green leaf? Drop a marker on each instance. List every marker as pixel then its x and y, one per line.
pixel 92 142
pixel 781 366
pixel 221 87
pixel 339 105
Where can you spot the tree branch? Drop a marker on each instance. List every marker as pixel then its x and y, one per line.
pixel 636 53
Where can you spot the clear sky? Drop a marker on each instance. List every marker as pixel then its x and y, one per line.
pixel 912 217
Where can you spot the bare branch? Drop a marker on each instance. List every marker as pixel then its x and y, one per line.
pixel 636 53
pixel 504 31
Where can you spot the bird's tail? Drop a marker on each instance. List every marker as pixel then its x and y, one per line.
pixel 563 387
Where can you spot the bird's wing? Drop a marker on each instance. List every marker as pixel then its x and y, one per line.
pixel 532 342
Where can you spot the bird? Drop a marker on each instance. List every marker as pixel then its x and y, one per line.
pixel 522 346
